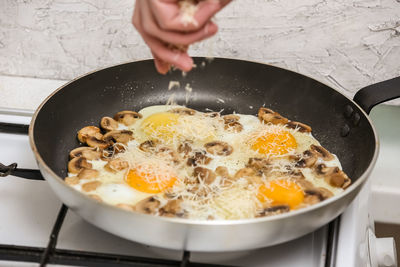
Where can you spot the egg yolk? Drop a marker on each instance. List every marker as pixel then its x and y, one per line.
pixel 281 192
pixel 149 182
pixel 277 143
pixel 158 125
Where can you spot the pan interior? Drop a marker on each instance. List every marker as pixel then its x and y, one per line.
pixel 224 84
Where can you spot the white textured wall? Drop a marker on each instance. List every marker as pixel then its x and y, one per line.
pixel 345 43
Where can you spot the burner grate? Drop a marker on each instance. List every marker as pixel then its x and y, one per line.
pixel 13 128
pixel 51 255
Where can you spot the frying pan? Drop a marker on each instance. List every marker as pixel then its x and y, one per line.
pixel 339 123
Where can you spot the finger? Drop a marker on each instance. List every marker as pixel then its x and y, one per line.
pixel 164 57
pixel 206 10
pixel 179 59
pixel 152 28
pixel 224 2
pixel 168 15
pixel 136 15
pixel 161 66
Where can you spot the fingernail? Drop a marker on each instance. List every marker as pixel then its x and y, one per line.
pixel 187 64
pixel 161 66
pixel 163 70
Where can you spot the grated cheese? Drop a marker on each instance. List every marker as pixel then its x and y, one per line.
pixel 188 90
pixel 188 9
pixel 171 100
pixel 226 197
pixel 173 85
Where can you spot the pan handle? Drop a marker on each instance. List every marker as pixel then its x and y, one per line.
pixel 22 173
pixel 374 94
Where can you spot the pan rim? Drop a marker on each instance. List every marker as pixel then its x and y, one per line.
pixel 360 181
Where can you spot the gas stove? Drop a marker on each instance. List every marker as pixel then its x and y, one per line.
pixel 36 228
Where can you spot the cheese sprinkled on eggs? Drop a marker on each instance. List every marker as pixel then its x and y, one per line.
pixel 180 162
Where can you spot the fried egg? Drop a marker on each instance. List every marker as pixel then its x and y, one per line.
pixel 185 163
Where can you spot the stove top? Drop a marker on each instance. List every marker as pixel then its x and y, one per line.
pixel 37 229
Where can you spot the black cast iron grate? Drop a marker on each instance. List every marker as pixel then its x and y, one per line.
pixel 52 255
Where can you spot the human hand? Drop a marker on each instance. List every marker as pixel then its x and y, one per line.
pixel 169 35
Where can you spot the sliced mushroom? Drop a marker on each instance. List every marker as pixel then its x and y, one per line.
pixel 108 153
pixel 166 151
pixel 206 175
pixel 269 116
pixel 126 206
pixel 73 180
pixel 325 193
pixel 219 148
pixel 120 136
pixel 244 172
pixel 148 205
pixel 222 171
pixel 116 165
pixel 86 152
pixel 260 165
pixel 89 131
pixel 183 111
pixel 311 199
pixel 291 171
pixel 320 192
pixel 88 174
pixel 231 118
pixel 305 185
pixel 90 186
pixel 75 165
pixel 273 210
pixel 185 147
pixel 173 208
pixel 198 158
pixel 98 143
pixel 333 175
pixel 118 148
pixel 322 169
pixel 149 145
pixel 303 128
pixel 297 174
pixel 108 124
pixel 127 117
pixel 322 152
pixel 308 160
pixel 338 179
pixel 312 196
pixel 169 194
pixel 212 114
pixel 235 127
pixel 315 195
pixel 226 179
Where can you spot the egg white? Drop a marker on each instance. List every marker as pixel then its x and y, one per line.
pixel 115 190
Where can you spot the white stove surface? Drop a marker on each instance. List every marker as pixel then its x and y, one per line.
pixel 29 210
